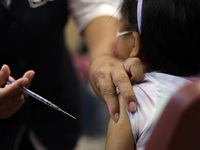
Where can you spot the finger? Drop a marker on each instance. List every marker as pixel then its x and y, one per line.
pixel 4 73
pixel 104 88
pixel 11 105
pixel 122 81
pixel 15 87
pixel 108 91
pixel 96 76
pixel 135 68
pixel 29 75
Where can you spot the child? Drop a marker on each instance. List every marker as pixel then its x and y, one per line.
pixel 165 35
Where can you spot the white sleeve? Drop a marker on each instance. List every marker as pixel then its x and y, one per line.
pixel 142 119
pixel 84 11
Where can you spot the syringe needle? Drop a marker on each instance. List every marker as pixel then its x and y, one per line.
pixel 41 99
pixel 66 113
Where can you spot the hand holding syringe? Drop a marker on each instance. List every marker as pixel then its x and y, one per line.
pixel 41 99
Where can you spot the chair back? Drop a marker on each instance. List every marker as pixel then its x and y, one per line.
pixel 178 127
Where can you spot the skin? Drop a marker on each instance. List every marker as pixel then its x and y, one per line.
pixel 119 135
pixel 11 96
pixel 107 71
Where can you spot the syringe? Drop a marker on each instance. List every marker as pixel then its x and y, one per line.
pixel 41 99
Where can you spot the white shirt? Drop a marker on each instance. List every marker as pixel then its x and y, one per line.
pixel 84 11
pixel 152 95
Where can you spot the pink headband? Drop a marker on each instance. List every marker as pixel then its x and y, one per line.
pixel 139 14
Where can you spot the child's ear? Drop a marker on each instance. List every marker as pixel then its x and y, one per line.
pixel 136 46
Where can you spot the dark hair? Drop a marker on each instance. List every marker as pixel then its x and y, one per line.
pixel 170 34
pixel 129 14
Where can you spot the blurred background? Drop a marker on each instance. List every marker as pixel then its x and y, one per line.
pixel 94 113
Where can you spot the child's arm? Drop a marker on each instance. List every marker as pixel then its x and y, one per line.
pixel 119 135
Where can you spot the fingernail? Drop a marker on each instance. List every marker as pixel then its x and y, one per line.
pixel 30 75
pixel 24 83
pixel 116 117
pixel 132 106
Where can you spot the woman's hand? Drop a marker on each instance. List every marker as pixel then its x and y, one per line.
pixel 11 96
pixel 135 69
pixel 107 73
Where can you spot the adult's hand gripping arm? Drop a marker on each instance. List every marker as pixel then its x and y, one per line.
pixel 107 71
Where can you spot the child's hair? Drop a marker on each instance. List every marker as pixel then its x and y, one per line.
pixel 170 33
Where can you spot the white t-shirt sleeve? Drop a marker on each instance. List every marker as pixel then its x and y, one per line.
pixel 152 96
pixel 143 118
pixel 84 11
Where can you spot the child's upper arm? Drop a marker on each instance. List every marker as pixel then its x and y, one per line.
pixel 119 135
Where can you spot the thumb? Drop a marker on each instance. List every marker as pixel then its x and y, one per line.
pixel 135 68
pixel 4 73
